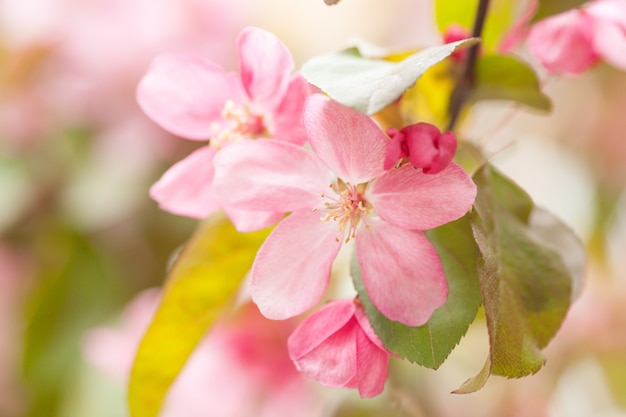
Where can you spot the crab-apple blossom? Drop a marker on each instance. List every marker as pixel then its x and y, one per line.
pixel 564 43
pixel 337 346
pixel 338 192
pixel 574 41
pixel 423 144
pixel 198 100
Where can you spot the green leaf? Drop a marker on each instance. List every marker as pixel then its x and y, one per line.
pixel 551 7
pixel 369 85
pixel 500 17
pixel 526 279
pixel 201 284
pixel 75 291
pixel 430 344
pixel 502 77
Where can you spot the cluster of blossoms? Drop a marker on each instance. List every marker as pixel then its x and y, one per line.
pixel 574 41
pixel 339 178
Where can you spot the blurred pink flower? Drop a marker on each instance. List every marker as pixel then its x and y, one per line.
pixel 574 41
pixel 384 211
pixel 564 43
pixel 423 144
pixel 242 368
pixel 197 99
pixel 337 346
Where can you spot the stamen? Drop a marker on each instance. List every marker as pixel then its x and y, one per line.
pixel 347 207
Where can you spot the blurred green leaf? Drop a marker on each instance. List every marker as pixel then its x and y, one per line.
pixel 551 7
pixel 502 77
pixel 500 17
pixel 430 344
pixel 525 279
pixel 201 284
pixel 369 85
pixel 74 292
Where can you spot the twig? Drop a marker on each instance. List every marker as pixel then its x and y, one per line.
pixel 466 79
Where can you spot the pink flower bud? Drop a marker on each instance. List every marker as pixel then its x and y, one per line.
pixel 337 346
pixel 564 43
pixel 424 145
pixel 455 33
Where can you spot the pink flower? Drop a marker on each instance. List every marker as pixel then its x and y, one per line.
pixel 564 43
pixel 242 369
pixel 196 99
pixel 609 30
pixel 424 145
pixel 383 211
pixel 337 346
pixel 574 41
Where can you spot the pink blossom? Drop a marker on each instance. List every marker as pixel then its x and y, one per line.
pixel 384 211
pixel 609 30
pixel 242 369
pixel 424 145
pixel 197 99
pixel 574 41
pixel 564 43
pixel 337 346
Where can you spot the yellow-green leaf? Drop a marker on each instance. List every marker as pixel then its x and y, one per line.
pixel 200 285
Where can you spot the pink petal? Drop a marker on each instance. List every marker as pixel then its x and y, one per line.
pixel 563 43
pixel 319 326
pixel 348 142
pixel 185 189
pixel 402 272
pixel 413 200
pixel 371 366
pixel 609 30
pixel 250 221
pixel 333 362
pixel 292 268
pixel 268 175
pixel 364 322
pixel 265 66
pixel 288 124
pixel 186 94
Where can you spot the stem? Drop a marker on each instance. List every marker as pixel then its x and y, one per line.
pixel 466 79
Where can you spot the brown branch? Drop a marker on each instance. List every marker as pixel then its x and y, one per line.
pixel 466 79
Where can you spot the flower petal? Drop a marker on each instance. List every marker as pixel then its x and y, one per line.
pixel 372 366
pixel 609 30
pixel 185 94
pixel 402 272
pixel 185 189
pixel 268 175
pixel 288 115
pixel 318 327
pixel 292 268
pixel 250 221
pixel 413 200
pixel 265 65
pixel 333 362
pixel 348 142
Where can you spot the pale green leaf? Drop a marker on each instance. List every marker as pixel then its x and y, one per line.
pixel 502 77
pixel 369 85
pixel 201 284
pixel 430 344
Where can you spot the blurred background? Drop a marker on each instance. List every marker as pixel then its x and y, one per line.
pixel 80 238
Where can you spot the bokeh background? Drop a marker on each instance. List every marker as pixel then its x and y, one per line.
pixel 80 238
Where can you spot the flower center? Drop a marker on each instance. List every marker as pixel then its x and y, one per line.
pixel 240 122
pixel 346 206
